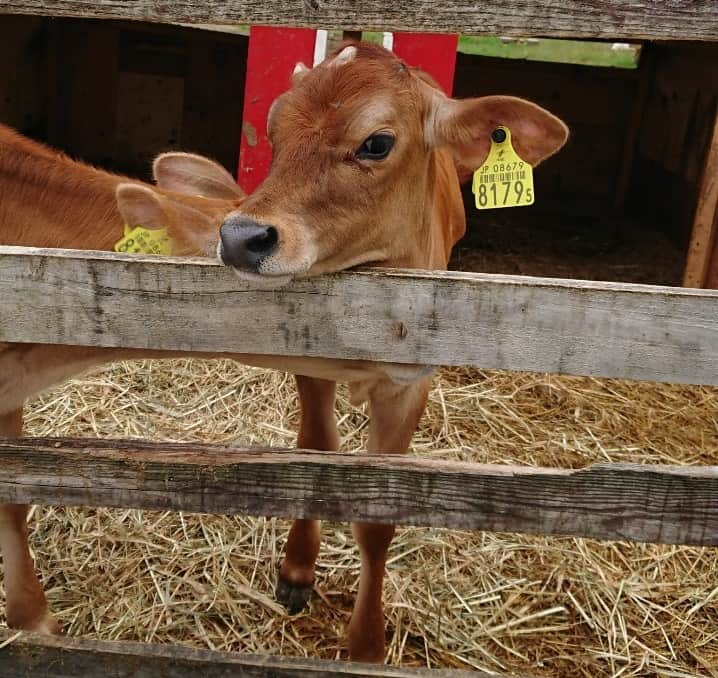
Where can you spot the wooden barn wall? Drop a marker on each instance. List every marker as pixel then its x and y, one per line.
pixel 23 73
pixel 117 93
pixel 674 134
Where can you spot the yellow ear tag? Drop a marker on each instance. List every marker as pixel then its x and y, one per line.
pixel 139 240
pixel 504 180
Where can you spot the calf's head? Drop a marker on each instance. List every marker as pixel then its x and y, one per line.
pixel 367 155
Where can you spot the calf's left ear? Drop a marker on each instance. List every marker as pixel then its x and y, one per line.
pixel 466 125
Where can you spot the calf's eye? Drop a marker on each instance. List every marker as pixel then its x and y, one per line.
pixel 375 147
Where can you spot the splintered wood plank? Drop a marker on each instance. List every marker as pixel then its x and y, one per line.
pixel 613 19
pixel 40 656
pixel 441 318
pixel 659 504
pixel 705 222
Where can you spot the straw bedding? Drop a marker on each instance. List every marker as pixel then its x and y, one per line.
pixel 498 602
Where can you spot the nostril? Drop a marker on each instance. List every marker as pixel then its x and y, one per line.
pixel 245 243
pixel 263 243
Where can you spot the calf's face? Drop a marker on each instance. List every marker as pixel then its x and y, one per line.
pixel 357 143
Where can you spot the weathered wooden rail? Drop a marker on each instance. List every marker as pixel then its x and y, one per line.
pixel 659 504
pixel 611 19
pixel 435 318
pixel 29 654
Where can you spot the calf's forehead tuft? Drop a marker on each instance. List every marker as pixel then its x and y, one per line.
pixel 371 73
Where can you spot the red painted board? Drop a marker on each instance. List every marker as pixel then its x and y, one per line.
pixel 433 52
pixel 272 55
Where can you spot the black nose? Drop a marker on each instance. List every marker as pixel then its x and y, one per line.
pixel 245 242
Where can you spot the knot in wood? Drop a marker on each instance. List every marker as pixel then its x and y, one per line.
pixel 401 330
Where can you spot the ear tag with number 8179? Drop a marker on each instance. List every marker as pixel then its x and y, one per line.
pixel 504 180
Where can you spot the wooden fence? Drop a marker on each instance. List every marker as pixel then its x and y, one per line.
pixel 605 329
pixel 560 326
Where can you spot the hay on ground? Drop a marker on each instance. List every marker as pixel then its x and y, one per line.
pixel 499 602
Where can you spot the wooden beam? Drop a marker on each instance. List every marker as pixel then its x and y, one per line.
pixel 705 222
pixel 612 19
pixel 660 504
pixel 447 318
pixel 40 656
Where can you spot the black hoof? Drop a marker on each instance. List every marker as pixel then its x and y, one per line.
pixel 293 597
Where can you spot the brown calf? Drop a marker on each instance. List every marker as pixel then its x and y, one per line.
pixel 50 201
pixel 368 155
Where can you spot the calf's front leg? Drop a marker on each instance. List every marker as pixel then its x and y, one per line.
pixel 394 415
pixel 317 431
pixel 26 605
